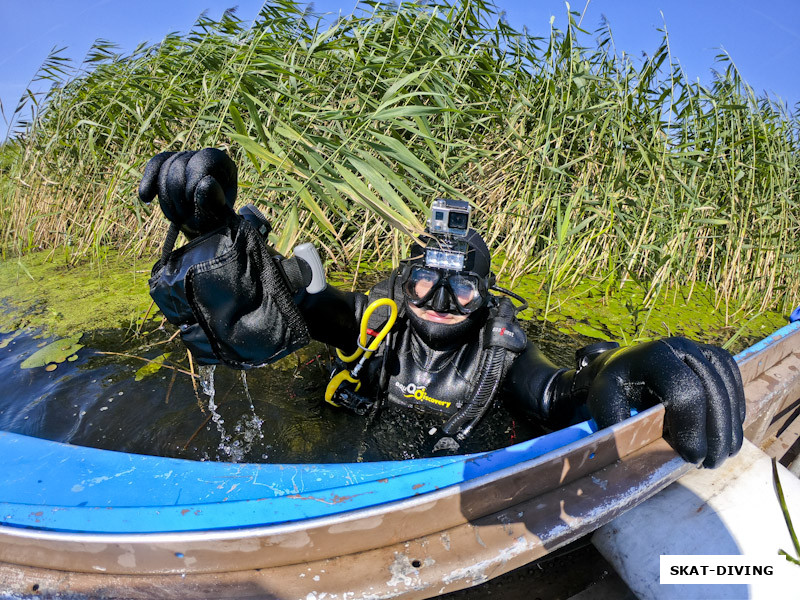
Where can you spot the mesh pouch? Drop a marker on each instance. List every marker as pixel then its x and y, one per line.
pixel 228 297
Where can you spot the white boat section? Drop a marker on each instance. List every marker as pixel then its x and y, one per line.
pixel 733 510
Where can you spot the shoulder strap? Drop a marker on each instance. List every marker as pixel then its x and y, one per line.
pixel 389 288
pixel 502 329
pixel 503 340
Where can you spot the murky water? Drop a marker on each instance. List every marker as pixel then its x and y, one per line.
pixel 272 414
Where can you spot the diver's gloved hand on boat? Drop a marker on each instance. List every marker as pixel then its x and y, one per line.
pixel 231 294
pixel 699 385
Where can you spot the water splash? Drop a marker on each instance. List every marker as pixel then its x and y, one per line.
pixel 207 385
pixel 247 391
pixel 234 446
pixel 250 426
pixel 256 422
pixel 207 380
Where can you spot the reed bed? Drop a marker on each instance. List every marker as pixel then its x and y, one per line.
pixel 581 162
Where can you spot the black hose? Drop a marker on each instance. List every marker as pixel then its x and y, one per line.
pixel 476 408
pixel 169 242
pixel 517 309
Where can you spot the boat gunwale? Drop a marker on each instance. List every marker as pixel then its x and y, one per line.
pixel 402 511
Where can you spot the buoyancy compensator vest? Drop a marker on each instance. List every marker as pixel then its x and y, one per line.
pixel 228 293
pixel 460 383
pixel 502 340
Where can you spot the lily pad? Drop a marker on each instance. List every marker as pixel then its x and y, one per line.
pixel 553 317
pixel 153 367
pixel 55 352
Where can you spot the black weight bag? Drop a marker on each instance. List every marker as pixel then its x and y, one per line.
pixel 225 292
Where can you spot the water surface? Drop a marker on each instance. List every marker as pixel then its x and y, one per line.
pixel 273 414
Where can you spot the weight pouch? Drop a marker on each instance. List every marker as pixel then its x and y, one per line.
pixel 226 294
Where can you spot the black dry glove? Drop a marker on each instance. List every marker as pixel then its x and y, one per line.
pixel 699 385
pixel 227 290
pixel 196 190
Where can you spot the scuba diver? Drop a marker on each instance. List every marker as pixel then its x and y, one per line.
pixel 432 337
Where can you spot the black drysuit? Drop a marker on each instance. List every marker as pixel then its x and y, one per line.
pixel 440 378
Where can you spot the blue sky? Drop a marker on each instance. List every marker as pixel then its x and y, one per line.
pixel 762 38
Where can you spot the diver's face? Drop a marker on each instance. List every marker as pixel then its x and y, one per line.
pixel 436 317
pixel 437 297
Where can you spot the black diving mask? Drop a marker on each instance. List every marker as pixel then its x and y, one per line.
pixel 445 291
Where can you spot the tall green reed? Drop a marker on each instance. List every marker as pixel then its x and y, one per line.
pixel 579 161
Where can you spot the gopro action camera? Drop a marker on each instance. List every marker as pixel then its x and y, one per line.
pixel 449 224
pixel 449 217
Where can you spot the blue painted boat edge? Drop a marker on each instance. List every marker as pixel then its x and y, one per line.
pixel 768 341
pixel 80 488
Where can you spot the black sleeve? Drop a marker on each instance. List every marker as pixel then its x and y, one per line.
pixel 333 316
pixel 540 389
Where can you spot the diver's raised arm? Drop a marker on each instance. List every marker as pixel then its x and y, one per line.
pixel 333 316
pixel 232 296
pixel 196 189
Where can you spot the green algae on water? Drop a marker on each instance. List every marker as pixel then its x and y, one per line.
pixel 63 299
pixel 43 291
pixel 6 341
pixel 627 316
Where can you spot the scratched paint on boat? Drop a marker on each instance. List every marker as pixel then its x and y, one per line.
pixel 60 487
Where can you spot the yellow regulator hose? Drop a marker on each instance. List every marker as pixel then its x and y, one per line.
pixel 364 351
